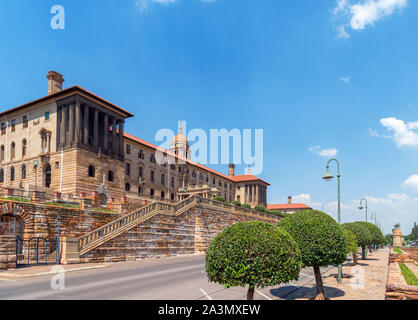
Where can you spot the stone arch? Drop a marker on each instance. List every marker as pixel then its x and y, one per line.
pixel 7 212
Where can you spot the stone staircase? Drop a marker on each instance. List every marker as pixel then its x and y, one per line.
pixel 125 223
pixel 119 226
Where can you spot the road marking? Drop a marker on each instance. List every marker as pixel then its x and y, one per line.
pixel 206 295
pixel 268 298
pixel 307 275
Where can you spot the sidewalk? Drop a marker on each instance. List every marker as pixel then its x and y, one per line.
pixel 36 271
pixel 367 280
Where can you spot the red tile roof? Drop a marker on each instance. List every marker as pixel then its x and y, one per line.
pixel 152 146
pixel 247 177
pixel 287 206
pixel 62 92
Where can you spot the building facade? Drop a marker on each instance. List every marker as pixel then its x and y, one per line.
pixel 72 141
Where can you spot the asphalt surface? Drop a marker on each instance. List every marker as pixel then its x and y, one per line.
pixel 179 278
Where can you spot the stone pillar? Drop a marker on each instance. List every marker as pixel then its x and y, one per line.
pixel 106 134
pixel 62 129
pixel 70 253
pixel 96 129
pixel 121 144
pixel 114 140
pixel 7 252
pixel 77 122
pixel 86 125
pixel 71 124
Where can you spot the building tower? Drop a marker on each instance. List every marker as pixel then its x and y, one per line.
pixel 180 145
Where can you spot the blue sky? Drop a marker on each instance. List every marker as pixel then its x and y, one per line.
pixel 322 78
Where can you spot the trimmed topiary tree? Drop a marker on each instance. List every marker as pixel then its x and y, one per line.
pixel 253 254
pixel 237 203
pixel 320 239
pixel 363 236
pixel 352 245
pixel 376 234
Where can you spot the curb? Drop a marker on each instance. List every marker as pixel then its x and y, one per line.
pixel 40 274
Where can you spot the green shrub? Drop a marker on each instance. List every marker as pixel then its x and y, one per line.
pixel 253 254
pixel 320 239
pixel 279 213
pixel 259 208
pixel 237 203
pixel 221 199
pixel 245 205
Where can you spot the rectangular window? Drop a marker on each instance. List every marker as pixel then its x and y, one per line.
pixel 152 176
pixel 152 158
pixel 128 149
pixel 25 122
pixel 47 115
pixel 163 179
pixel 3 129
pixel 141 154
pixel 141 172
pixel 13 125
pixel 172 182
pixel 173 167
pixel 128 169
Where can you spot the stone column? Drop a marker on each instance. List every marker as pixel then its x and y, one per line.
pixel 86 125
pixel 106 134
pixel 121 144
pixel 77 122
pixel 96 129
pixel 62 129
pixel 114 144
pixel 71 123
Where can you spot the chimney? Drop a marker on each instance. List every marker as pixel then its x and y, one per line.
pixel 232 170
pixel 55 81
pixel 289 200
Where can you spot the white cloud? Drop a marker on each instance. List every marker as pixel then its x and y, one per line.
pixel 375 134
pixel 345 79
pixel 404 133
pixel 323 152
pixel 367 12
pixel 302 198
pixel 411 182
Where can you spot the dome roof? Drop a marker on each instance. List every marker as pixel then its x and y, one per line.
pixel 180 138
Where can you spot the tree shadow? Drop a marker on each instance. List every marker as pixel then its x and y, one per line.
pixel 293 292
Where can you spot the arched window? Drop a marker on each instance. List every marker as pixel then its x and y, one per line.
pixel 13 151
pixel 140 190
pixel 162 194
pixel 23 148
pixel 152 192
pixel 12 174
pixel 172 197
pixel 110 176
pixel 23 173
pixel 1 175
pixel 92 171
pixel 127 187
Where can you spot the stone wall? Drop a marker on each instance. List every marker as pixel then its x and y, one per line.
pixel 409 255
pixel 168 235
pixel 7 252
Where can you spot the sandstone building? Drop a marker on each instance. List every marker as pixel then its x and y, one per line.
pixel 72 141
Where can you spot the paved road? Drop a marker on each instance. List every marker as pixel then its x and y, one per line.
pixel 179 278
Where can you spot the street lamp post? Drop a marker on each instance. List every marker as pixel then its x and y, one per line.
pixel 329 177
pixel 375 219
pixel 361 206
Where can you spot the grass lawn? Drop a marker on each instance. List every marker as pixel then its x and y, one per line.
pixel 397 250
pixel 409 276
